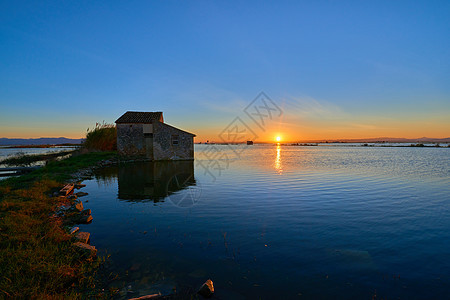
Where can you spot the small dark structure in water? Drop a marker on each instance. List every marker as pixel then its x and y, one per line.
pixel 145 135
pixel 249 142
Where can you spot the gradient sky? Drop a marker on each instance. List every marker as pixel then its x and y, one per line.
pixel 338 69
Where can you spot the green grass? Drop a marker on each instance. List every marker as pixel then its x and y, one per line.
pixel 36 255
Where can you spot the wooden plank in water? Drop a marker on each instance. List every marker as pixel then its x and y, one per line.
pixel 67 189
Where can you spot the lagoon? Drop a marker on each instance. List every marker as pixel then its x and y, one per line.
pixel 271 221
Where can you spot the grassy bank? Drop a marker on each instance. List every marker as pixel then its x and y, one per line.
pixel 37 258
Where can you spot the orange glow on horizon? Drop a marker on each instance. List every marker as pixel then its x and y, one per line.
pixel 294 132
pixel 293 129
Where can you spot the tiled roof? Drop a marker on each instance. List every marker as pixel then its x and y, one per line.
pixel 139 117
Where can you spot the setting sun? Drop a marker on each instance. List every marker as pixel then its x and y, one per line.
pixel 278 138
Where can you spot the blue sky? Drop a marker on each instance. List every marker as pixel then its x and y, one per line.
pixel 338 68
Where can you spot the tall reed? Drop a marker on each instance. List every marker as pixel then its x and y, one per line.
pixel 103 137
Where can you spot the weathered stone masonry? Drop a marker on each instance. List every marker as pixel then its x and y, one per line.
pixel 170 143
pixel 144 134
pixel 131 141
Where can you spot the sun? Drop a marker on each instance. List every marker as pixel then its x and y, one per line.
pixel 278 138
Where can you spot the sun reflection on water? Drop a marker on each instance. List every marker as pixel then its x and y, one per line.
pixel 277 163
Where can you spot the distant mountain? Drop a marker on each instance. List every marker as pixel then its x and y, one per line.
pixel 386 139
pixel 38 141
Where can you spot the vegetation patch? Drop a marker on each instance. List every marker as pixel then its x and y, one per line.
pixel 103 137
pixel 37 256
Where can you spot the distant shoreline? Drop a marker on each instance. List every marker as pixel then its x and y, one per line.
pixel 39 146
pixel 39 141
pixel 378 140
pixel 335 144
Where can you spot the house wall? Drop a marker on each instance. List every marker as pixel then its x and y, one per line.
pixel 163 147
pixel 130 140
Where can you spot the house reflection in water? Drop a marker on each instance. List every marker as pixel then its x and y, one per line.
pixel 154 181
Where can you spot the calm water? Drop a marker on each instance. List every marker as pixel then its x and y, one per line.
pixel 279 222
pixel 6 152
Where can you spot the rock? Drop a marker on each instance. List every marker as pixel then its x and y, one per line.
pixel 83 237
pixel 79 206
pixel 81 194
pixel 86 212
pixel 85 219
pixel 86 249
pixel 207 289
pixel 153 296
pixel 79 186
pixel 72 197
pixel 74 229
pixel 64 207
pixel 77 218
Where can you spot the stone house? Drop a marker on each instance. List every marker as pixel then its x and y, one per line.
pixel 145 135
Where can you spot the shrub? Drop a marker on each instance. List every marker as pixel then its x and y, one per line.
pixel 103 137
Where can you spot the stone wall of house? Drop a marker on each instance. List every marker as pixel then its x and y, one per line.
pixel 164 147
pixel 130 140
